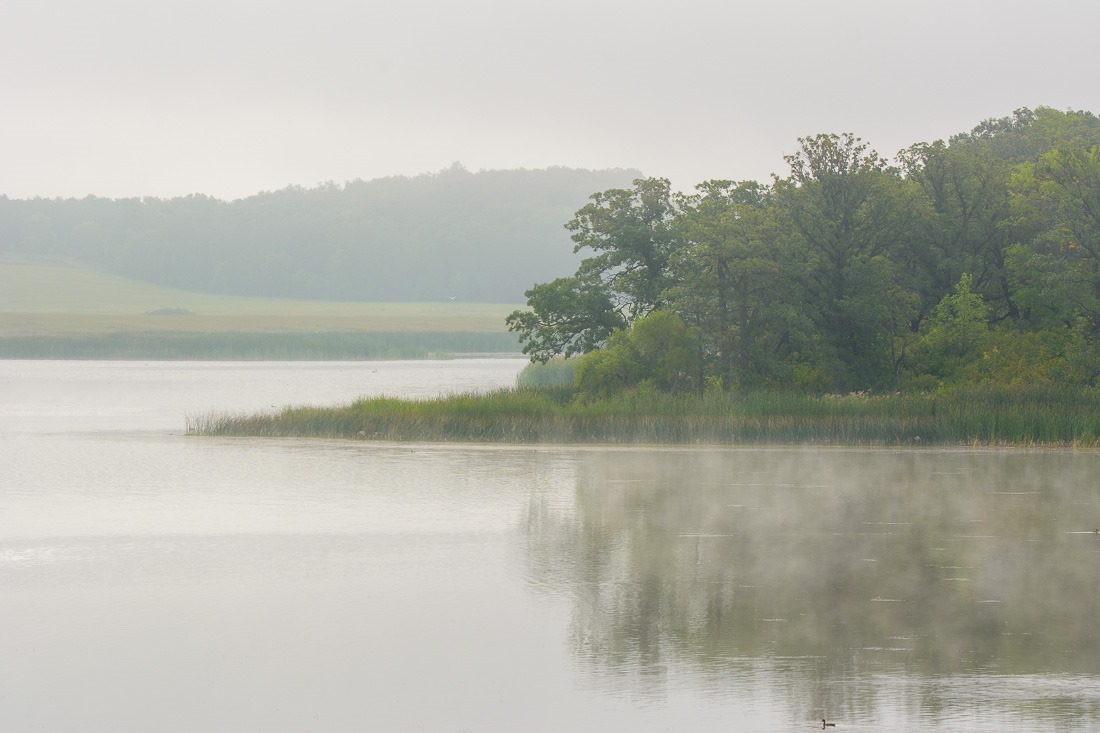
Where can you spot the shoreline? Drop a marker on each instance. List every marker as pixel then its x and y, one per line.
pixel 1068 419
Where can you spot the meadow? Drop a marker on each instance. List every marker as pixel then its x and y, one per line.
pixel 54 311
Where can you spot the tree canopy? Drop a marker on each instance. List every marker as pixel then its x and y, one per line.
pixel 970 260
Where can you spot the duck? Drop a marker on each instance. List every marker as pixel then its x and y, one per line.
pixel 825 725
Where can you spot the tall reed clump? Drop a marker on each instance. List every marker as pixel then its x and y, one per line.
pixel 505 415
pixel 1040 415
pixel 556 415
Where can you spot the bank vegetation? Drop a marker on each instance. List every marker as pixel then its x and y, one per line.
pixel 976 417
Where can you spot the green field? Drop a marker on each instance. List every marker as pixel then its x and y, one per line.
pixel 56 311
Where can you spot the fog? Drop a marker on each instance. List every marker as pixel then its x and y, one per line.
pixel 936 563
pixel 126 98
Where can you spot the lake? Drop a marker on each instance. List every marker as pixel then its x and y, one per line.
pixel 156 581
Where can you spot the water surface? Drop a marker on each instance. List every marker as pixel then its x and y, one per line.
pixel 154 581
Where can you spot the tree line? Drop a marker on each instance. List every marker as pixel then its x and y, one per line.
pixel 453 234
pixel 974 260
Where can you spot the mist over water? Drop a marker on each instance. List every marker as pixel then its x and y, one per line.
pixel 837 575
pixel 153 581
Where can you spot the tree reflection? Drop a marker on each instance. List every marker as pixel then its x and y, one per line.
pixel 828 566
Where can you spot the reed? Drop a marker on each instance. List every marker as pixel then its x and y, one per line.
pixel 527 415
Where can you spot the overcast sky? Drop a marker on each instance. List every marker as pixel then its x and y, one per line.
pixel 233 97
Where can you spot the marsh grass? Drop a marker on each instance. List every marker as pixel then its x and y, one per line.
pixel 526 415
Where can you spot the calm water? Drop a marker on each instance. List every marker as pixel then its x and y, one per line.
pixel 153 581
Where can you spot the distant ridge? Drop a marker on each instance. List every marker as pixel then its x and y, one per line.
pixel 474 237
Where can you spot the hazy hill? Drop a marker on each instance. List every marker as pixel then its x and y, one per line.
pixel 482 237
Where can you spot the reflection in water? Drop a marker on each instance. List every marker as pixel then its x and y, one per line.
pixel 151 581
pixel 869 584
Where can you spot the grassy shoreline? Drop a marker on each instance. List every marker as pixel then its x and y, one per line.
pixel 1035 417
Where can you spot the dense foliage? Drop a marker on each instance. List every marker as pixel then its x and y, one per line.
pixel 454 234
pixel 966 262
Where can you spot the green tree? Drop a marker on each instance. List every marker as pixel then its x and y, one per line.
pixel 656 351
pixel 1026 134
pixel 954 336
pixel 966 224
pixel 567 316
pixel 972 225
pixel 731 282
pixel 845 204
pixel 631 235
pixel 630 231
pixel 1060 270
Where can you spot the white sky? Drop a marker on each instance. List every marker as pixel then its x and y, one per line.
pixel 231 97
